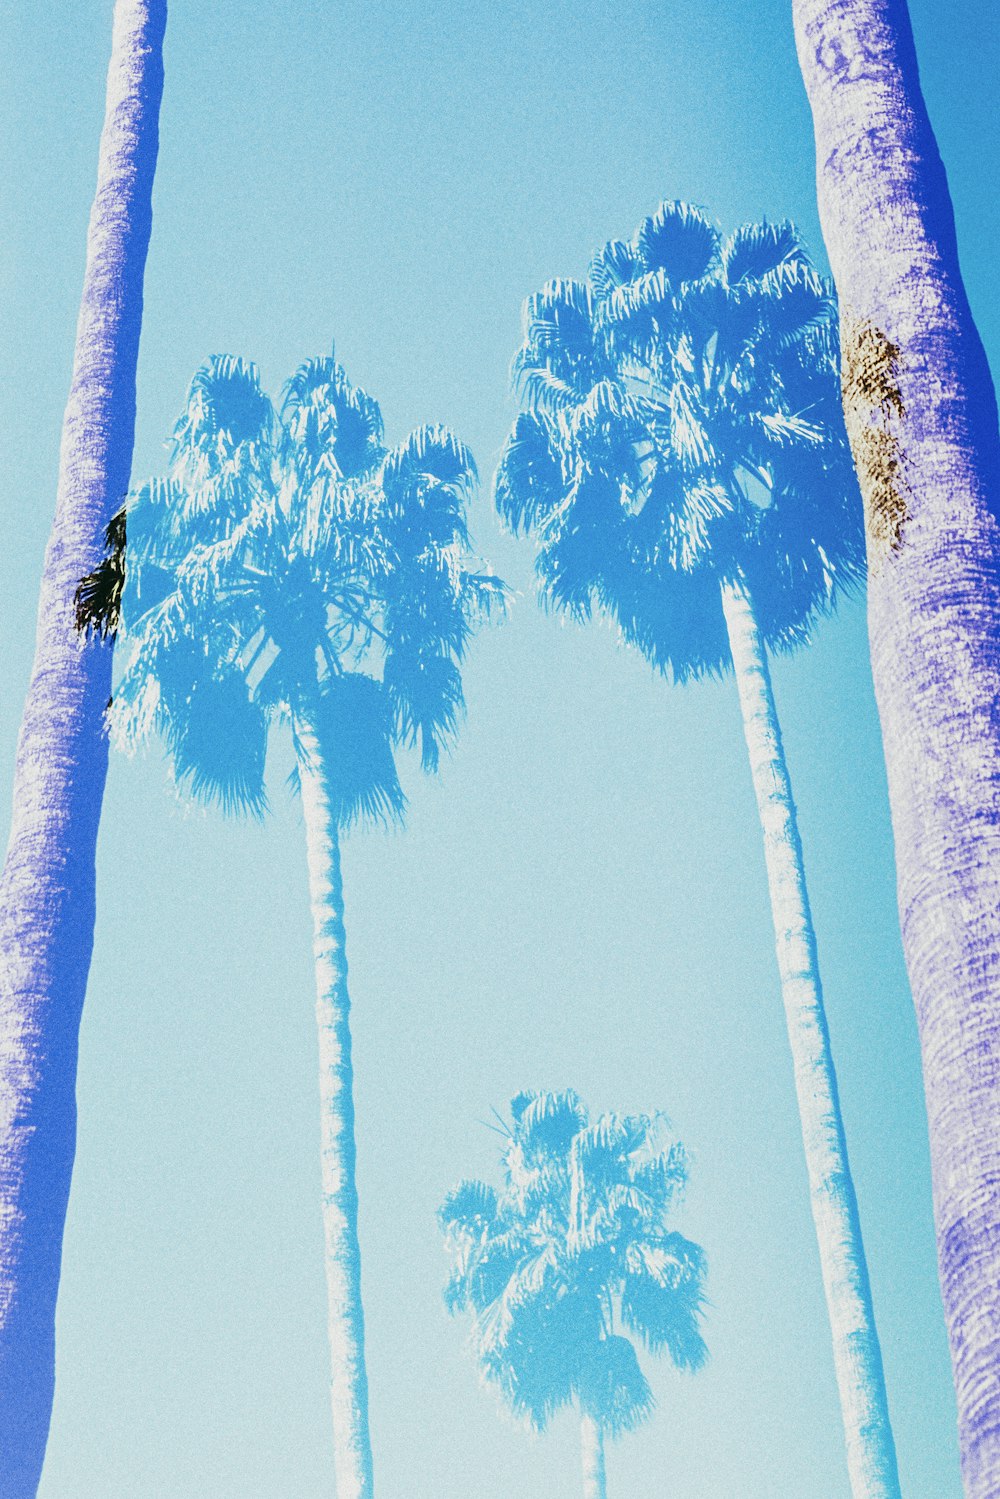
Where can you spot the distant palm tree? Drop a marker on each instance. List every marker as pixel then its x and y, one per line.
pixel 291 567
pixel 682 462
pixel 573 1254
pixel 47 887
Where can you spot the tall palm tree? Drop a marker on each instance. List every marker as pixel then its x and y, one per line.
pixel 291 567
pixel 569 1258
pixel 47 885
pixel 922 415
pixel 682 463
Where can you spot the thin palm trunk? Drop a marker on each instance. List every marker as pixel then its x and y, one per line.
pixel 922 417
pixel 592 1452
pixel 871 1455
pixel 47 888
pixel 349 1380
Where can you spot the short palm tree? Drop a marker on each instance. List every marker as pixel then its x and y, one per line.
pixel 291 567
pixel 681 461
pixel 572 1255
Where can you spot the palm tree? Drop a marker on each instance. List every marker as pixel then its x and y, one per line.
pixel 291 567
pixel 569 1258
pixel 47 885
pixel 922 415
pixel 682 463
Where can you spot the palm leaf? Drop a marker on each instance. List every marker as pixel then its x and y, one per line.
pixel 663 1298
pixel 610 1385
pixel 558 321
pixel 425 689
pixel 755 250
pixel 330 419
pixel 533 1365
pixel 546 1123
pixel 679 240
pixel 662 1175
pixel 352 721
pixel 469 1208
pixel 97 602
pixel 218 741
pixel 528 483
pixel 226 408
pixel 613 265
pixel 790 301
pixel 431 452
pixel 639 310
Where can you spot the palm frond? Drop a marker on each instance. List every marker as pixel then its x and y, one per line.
pixel 335 425
pixel 613 265
pixel 546 1123
pixel 528 482
pixel 97 602
pixel 611 1387
pixel 790 301
pixel 680 240
pixel 431 452
pixel 662 1174
pixel 469 1208
pixel 755 250
pixel 226 409
pixel 351 722
pixel 533 1364
pixel 135 714
pixel 542 391
pixel 557 319
pixel 663 1298
pixel 425 689
pixel 640 310
pixel 218 742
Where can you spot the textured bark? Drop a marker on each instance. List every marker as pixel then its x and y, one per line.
pixel 871 1454
pixel 349 1381
pixel 47 897
pixel 592 1452
pixel 934 625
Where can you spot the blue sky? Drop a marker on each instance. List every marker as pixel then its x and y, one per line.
pixel 579 898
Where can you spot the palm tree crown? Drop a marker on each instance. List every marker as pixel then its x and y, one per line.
pixel 575 1246
pixel 292 565
pixel 682 426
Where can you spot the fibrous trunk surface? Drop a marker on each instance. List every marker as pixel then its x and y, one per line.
pixel 921 413
pixel 47 894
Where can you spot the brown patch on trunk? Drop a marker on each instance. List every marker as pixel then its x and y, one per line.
pixel 873 406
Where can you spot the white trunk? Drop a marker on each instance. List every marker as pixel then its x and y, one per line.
pixel 349 1381
pixel 871 1456
pixel 592 1454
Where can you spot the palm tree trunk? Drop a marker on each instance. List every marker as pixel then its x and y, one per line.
pixel 592 1451
pixel 922 416
pixel 871 1455
pixel 349 1380
pixel 47 888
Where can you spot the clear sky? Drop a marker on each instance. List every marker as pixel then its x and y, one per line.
pixel 579 899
